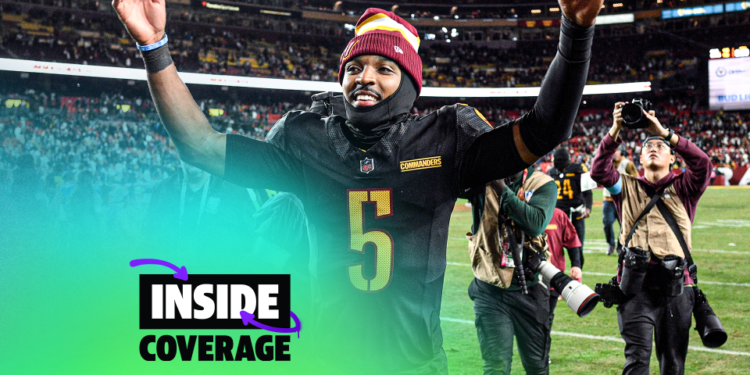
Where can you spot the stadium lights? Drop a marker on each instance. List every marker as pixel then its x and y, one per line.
pixel 96 71
pixel 615 18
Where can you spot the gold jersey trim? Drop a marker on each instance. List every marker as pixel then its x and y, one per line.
pixel 423 163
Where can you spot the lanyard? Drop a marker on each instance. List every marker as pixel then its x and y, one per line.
pixel 523 182
pixel 204 198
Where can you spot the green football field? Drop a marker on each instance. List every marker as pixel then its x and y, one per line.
pixel 592 345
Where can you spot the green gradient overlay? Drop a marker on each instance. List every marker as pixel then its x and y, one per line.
pixel 72 307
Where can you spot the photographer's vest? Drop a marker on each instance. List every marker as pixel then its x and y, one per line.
pixel 653 233
pixel 484 246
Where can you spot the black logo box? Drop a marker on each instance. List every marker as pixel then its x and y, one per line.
pixel 282 300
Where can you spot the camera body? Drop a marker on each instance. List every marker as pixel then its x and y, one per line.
pixel 632 114
pixel 610 293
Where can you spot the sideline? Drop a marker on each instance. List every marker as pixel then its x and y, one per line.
pixel 611 338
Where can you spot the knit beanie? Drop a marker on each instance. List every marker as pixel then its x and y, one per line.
pixel 379 32
pixel 561 158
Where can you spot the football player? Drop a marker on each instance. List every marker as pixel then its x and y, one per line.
pixel 378 183
pixel 570 199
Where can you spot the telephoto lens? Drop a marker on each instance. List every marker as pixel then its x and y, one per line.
pixel 632 114
pixel 580 298
pixel 707 324
pixel 634 268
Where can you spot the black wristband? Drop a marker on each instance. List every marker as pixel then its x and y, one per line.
pixel 157 60
pixel 575 41
pixel 669 137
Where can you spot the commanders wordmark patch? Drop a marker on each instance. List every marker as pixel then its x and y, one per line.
pixel 424 163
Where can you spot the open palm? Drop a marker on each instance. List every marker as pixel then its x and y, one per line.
pixel 144 19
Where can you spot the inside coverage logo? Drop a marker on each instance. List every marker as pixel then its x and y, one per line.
pixel 215 302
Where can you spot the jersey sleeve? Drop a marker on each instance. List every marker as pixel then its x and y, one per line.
pixel 264 165
pixel 483 154
pixel 569 234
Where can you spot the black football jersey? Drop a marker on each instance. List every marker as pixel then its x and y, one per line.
pixel 568 182
pixel 381 219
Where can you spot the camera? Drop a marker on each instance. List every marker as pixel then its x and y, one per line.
pixel 707 324
pixel 579 297
pixel 632 114
pixel 610 293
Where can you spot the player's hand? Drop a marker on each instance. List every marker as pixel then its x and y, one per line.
pixel 654 127
pixel 617 116
pixel 586 213
pixel 145 20
pixel 576 273
pixel 582 12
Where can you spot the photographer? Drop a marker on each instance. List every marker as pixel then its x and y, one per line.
pixel 521 205
pixel 656 305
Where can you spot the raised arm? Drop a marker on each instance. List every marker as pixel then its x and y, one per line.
pixel 698 172
pixel 602 170
pixel 550 122
pixel 196 142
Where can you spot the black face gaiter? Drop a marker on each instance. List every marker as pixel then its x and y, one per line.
pixel 365 126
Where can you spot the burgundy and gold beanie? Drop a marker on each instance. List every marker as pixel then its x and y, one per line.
pixel 379 32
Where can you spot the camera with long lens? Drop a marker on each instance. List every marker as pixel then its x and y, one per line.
pixel 707 324
pixel 580 298
pixel 632 114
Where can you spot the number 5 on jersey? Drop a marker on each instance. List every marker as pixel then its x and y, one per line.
pixel 380 239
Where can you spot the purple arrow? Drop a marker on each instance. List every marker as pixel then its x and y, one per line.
pixel 248 318
pixel 180 272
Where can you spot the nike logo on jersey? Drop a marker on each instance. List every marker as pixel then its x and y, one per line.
pixel 424 163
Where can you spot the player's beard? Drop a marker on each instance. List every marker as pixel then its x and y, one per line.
pixel 369 124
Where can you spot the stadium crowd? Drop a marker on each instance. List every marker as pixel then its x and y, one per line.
pixel 121 141
pixel 58 36
pixel 118 141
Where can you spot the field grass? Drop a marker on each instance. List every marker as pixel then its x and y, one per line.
pixel 721 242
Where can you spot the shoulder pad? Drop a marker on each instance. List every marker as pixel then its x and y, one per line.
pixel 574 168
pixel 291 120
pixel 465 116
pixel 470 116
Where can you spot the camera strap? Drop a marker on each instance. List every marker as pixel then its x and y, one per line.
pixel 680 238
pixel 649 206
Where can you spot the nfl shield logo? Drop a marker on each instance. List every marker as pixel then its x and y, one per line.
pixel 367 165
